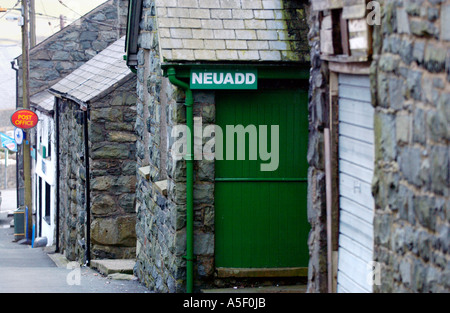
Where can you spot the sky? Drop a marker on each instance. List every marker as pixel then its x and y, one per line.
pixel 47 23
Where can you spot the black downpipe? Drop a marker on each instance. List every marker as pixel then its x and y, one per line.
pixel 17 82
pixel 88 191
pixel 57 171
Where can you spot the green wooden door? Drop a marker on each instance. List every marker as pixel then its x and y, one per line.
pixel 260 216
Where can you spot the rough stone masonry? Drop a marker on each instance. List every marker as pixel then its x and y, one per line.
pixel 200 31
pixel 112 178
pixel 411 93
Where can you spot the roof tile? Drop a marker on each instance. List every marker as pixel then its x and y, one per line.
pixel 253 30
pixel 97 75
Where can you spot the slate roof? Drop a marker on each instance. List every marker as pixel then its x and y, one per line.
pixel 96 76
pixel 43 101
pixel 231 30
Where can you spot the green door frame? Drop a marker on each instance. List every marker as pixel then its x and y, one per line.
pixel 282 71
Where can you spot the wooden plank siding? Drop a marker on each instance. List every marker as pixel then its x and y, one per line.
pixel 356 163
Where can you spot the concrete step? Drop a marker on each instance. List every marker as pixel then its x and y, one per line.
pixel 59 259
pixel 107 267
pixel 265 289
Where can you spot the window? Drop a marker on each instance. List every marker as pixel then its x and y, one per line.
pixel 345 29
pixel 47 203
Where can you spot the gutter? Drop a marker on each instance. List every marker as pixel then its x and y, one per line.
pixel 189 157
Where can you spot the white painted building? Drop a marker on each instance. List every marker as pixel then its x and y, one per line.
pixel 44 174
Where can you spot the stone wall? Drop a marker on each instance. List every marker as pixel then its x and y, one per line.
pixel 68 49
pixel 72 179
pixel 112 167
pixel 318 105
pixel 411 92
pixel 153 257
pixel 161 223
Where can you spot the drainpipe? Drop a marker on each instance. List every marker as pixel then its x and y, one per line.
pixel 88 188
pixel 189 102
pixel 17 82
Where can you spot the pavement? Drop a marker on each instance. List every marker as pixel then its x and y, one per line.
pixel 39 270
pixel 264 289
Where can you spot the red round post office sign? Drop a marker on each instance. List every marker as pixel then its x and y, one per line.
pixel 24 119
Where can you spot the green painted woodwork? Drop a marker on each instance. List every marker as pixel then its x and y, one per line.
pixel 261 217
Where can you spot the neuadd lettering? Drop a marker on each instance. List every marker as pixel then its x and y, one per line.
pixel 224 79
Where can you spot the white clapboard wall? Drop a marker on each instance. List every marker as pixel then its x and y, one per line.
pixel 356 161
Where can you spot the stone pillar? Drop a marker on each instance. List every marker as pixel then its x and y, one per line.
pixel 318 104
pixel 72 182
